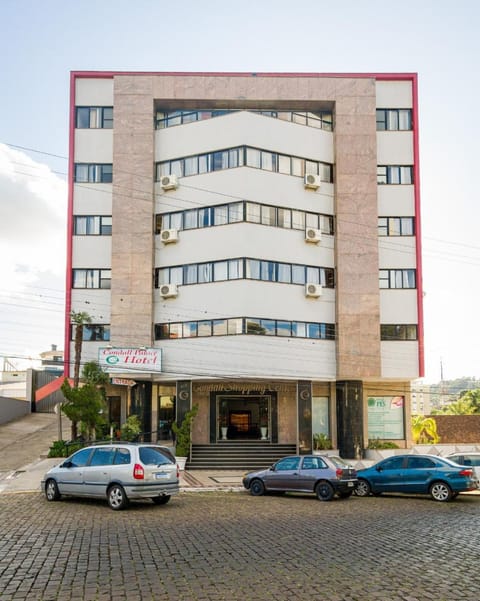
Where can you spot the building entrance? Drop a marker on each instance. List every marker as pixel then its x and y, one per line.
pixel 242 417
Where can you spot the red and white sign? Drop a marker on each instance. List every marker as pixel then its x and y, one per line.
pixel 123 382
pixel 130 360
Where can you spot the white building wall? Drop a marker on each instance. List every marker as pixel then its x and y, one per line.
pixel 399 359
pixel 244 128
pixel 92 199
pixel 397 252
pixel 396 201
pixel 95 91
pixel 398 307
pixel 92 252
pixel 394 94
pixel 93 145
pixel 394 148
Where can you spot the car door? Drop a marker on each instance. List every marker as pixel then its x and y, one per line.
pixel 312 469
pixel 96 475
pixel 71 473
pixel 418 474
pixel 388 475
pixel 284 475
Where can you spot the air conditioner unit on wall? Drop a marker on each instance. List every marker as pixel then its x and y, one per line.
pixel 169 236
pixel 168 290
pixel 313 290
pixel 312 235
pixel 312 181
pixel 169 182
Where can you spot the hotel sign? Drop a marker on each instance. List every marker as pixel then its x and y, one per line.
pixel 130 360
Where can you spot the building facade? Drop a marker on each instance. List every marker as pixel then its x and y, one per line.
pixel 249 243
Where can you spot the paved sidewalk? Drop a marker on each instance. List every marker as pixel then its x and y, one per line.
pixel 24 446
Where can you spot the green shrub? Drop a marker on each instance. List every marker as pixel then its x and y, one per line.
pixel 131 428
pixel 321 442
pixel 376 443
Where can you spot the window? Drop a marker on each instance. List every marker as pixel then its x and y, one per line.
pixel 394 174
pixel 94 117
pixel 93 173
pixel 92 278
pixel 244 155
pixel 394 119
pixel 93 225
pixel 396 226
pixel 255 269
pixel 319 120
pixel 80 458
pixel 397 278
pixel 94 333
pixel 102 457
pixel 393 463
pixel 398 332
pixel 288 463
pixel 234 326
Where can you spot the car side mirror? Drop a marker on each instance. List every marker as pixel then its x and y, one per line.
pixel 379 468
pixel 66 464
pixel 272 467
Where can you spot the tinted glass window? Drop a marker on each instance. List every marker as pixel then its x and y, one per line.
pixel 394 463
pixel 122 457
pixel 419 462
pixel 289 463
pixel 80 458
pixel 313 463
pixel 155 456
pixel 102 457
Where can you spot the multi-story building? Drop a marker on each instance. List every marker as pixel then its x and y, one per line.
pixel 250 243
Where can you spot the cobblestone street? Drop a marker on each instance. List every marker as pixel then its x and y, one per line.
pixel 231 546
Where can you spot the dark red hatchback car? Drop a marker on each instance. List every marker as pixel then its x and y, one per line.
pixel 320 474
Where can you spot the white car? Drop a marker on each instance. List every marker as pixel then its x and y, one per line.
pixel 116 472
pixel 471 459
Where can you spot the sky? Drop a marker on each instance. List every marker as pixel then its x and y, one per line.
pixel 41 42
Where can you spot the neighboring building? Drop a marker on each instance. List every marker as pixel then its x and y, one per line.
pixel 421 396
pixel 249 243
pixel 52 360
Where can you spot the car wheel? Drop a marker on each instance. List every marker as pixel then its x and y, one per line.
pixel 257 488
pixel 346 494
pixel 117 499
pixel 163 500
pixel 440 491
pixel 51 491
pixel 363 488
pixel 324 491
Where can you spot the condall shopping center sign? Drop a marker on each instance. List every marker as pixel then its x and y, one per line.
pixel 128 360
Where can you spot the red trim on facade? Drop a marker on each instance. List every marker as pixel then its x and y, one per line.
pixel 68 275
pixel 418 229
pixel 379 76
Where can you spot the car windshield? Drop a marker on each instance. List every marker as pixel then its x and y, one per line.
pixel 155 456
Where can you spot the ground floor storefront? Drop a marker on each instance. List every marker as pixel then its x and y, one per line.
pixel 343 415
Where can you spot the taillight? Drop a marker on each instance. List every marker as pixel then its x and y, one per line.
pixel 467 472
pixel 339 472
pixel 178 472
pixel 138 472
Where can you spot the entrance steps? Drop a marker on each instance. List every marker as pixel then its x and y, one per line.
pixel 244 455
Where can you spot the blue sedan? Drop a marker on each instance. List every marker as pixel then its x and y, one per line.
pixel 439 477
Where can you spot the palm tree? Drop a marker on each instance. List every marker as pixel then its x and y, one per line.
pixel 78 319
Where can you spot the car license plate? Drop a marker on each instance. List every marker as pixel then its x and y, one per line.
pixel 161 475
pixel 350 484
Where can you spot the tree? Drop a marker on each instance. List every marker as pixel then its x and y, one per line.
pixel 424 430
pixel 86 404
pixel 467 404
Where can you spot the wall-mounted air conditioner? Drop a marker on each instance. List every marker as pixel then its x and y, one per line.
pixel 312 235
pixel 169 236
pixel 168 290
pixel 313 290
pixel 169 182
pixel 312 181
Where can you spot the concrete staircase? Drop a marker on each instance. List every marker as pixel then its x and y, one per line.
pixel 243 455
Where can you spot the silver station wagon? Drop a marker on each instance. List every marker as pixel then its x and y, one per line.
pixel 117 472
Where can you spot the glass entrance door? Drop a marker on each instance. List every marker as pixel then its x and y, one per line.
pixel 242 417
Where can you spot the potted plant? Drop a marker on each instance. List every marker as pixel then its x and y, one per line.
pixel 223 427
pixel 321 442
pixel 183 437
